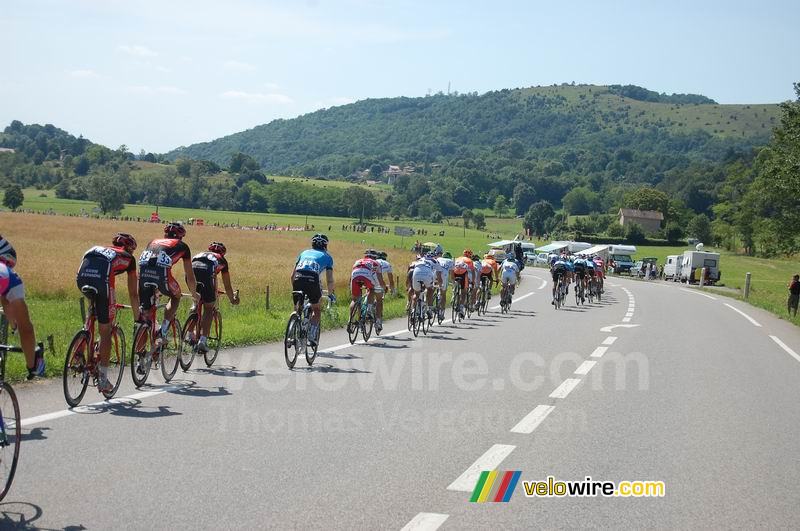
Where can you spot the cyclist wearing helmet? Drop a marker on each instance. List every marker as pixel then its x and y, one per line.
pixel 386 271
pixel 463 270
pixel 155 271
pixel 489 272
pixel 12 297
pixel 367 272
pixel 306 278
pixel 96 275
pixel 510 272
pixel 206 266
pixel 446 263
pixel 426 271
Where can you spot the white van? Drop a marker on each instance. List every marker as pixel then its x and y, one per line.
pixel 694 261
pixel 672 267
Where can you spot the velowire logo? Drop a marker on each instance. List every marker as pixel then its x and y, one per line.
pixel 494 486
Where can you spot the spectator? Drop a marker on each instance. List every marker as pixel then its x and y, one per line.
pixel 794 295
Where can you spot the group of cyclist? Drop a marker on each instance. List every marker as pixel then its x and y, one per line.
pixel 586 271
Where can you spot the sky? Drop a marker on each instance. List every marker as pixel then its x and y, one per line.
pixel 158 74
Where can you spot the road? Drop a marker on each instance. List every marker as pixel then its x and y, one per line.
pixel 394 433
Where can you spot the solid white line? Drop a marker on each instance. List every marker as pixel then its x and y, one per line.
pixel 609 340
pixel 565 388
pixel 740 312
pixel 426 522
pixel 598 352
pixel 533 419
pixel 585 367
pixel 626 319
pixel 785 347
pixel 543 284
pixel 698 293
pixel 494 456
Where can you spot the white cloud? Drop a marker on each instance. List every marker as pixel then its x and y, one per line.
pixel 146 89
pixel 137 51
pixel 271 86
pixel 239 66
pixel 257 97
pixel 84 73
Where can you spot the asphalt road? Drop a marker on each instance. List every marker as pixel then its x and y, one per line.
pixel 396 432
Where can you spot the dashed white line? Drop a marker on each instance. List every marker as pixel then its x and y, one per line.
pixel 533 419
pixel 629 314
pixel 585 367
pixel 785 347
pixel 707 296
pixel 565 388
pixel 494 456
pixel 740 312
pixel 598 352
pixel 426 522
pixel 626 319
pixel 609 340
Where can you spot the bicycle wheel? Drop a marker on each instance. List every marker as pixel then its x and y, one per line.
pixel 426 321
pixel 417 319
pixel 189 335
pixel 311 353
pixel 141 360
pixel 290 341
pixel 9 436
pixel 214 339
pixel 354 324
pixel 454 305
pixel 116 360
pixel 367 323
pixel 169 357
pixel 76 374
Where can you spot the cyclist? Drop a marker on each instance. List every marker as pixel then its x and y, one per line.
pixel 12 298
pixel 98 270
pixel 155 267
pixel 570 270
pixel 367 272
pixel 386 270
pixel 489 273
pixel 589 272
pixel 446 263
pixel 580 273
pixel 206 266
pixel 558 270
pixel 306 278
pixel 426 271
pixel 462 273
pixel 510 272
pixel 599 270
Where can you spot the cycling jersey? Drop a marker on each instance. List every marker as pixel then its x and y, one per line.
pixel 307 270
pixel 365 272
pixel 98 269
pixel 447 265
pixel 11 287
pixel 463 264
pixel 386 267
pixel 155 268
pixel 206 266
pixel 509 269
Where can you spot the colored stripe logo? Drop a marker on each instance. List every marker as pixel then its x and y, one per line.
pixel 495 486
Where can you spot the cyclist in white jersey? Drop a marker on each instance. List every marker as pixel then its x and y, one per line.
pixel 446 262
pixel 509 273
pixel 426 271
pixel 386 271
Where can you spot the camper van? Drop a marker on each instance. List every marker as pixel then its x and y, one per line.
pixel 694 261
pixel 672 267
pixel 621 257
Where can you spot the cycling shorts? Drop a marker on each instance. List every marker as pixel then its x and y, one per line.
pixel 308 283
pixel 461 279
pixel 356 283
pixel 152 277
pixel 509 277
pixel 422 275
pixel 487 276
pixel 101 294
pixel 11 287
pixel 559 273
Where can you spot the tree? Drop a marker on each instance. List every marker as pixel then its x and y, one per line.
pixel 480 220
pixel 500 205
pixel 615 230
pixel 376 170
pixel 700 228
pixel 524 196
pixel 580 201
pixel 648 199
pixel 13 197
pixel 183 167
pixel 241 162
pixel 673 232
pixel 538 217
pixel 635 234
pixel 82 166
pixel 466 216
pixel 109 191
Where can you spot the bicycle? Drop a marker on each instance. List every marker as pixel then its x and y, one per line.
pixel 81 363
pixel 505 298
pixel 417 317
pixel 10 436
pixel 164 352
pixel 590 291
pixel 362 317
pixel 191 333
pixel 483 297
pixel 560 293
pixel 437 315
pixel 298 328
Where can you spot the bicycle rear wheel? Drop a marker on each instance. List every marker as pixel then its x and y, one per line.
pixel 291 341
pixel 214 340
pixel 76 374
pixel 9 436
pixel 416 319
pixel 311 351
pixel 367 323
pixel 141 360
pixel 170 351
pixel 189 335
pixel 116 360
pixel 354 324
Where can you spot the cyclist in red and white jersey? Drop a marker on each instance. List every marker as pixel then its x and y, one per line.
pixel 367 272
pixel 388 275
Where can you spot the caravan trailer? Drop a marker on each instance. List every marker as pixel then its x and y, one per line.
pixel 672 267
pixel 694 261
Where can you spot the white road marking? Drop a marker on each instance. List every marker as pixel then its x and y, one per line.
pixel 426 522
pixel 740 312
pixel 598 352
pixel 707 296
pixel 543 284
pixel 612 327
pixel 626 319
pixel 494 456
pixel 565 388
pixel 629 314
pixel 585 367
pixel 785 347
pixel 533 419
pixel 609 340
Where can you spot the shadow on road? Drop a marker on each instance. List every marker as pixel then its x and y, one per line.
pixel 143 412
pixel 445 338
pixel 327 368
pixel 36 434
pixel 384 344
pixel 228 371
pixel 202 391
pixel 332 356
pixel 23 515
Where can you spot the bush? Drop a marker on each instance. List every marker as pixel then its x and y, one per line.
pixel 635 234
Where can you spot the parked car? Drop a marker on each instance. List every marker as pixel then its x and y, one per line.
pixel 542 259
pixel 530 258
pixel 640 268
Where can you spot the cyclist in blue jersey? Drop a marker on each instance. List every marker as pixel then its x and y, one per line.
pixel 307 278
pixel 570 271
pixel 12 297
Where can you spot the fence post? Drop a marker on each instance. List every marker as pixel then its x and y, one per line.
pixel 82 303
pixel 747 286
pixel 702 277
pixel 267 297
